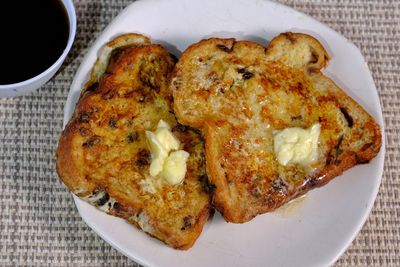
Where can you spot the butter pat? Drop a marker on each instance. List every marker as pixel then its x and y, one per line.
pixel 166 137
pixel 158 152
pixel 167 161
pixel 174 168
pixel 297 145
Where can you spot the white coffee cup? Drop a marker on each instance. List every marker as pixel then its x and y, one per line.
pixel 24 87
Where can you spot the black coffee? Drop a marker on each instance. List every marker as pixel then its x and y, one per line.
pixel 33 35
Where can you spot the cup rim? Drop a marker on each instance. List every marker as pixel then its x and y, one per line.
pixel 70 9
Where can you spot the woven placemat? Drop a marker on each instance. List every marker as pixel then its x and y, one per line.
pixel 39 224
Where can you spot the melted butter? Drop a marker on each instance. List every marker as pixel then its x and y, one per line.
pixel 167 161
pixel 297 145
pixel 174 168
pixel 292 207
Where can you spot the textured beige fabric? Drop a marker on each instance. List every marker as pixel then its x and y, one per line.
pixel 39 224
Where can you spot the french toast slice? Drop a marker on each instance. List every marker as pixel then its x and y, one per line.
pixel 103 155
pixel 241 95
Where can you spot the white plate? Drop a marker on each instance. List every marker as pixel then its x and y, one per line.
pixel 315 235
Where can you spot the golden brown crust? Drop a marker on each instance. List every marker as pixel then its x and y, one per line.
pixel 103 156
pixel 286 42
pixel 238 96
pixel 66 162
pixel 124 40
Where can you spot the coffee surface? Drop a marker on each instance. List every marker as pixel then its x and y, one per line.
pixel 33 34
